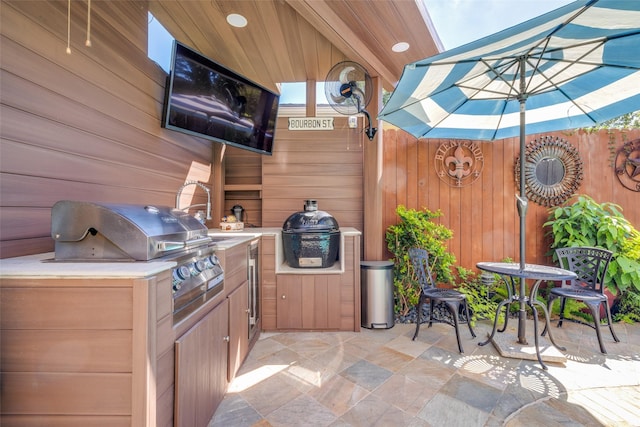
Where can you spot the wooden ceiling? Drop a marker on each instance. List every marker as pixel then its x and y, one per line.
pixel 300 40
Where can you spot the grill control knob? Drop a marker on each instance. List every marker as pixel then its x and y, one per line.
pixel 198 266
pixel 181 273
pixel 213 260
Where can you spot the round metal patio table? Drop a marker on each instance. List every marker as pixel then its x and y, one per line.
pixel 513 273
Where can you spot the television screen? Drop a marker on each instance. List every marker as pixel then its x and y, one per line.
pixel 207 100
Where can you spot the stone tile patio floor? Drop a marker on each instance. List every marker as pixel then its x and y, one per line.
pixel 382 378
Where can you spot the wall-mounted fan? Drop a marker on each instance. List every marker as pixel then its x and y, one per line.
pixel 348 89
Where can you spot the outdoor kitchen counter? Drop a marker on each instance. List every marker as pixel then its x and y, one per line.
pixel 43 266
pixel 281 266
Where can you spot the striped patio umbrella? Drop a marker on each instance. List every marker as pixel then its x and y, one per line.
pixel 574 67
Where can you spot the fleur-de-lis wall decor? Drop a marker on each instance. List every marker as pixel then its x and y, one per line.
pixel 459 163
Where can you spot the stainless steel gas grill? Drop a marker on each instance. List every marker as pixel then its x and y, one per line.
pixel 104 232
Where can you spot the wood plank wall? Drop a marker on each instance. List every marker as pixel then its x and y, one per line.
pixel 326 166
pixel 84 126
pixel 483 216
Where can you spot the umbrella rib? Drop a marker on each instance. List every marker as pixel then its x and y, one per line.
pixel 569 63
pixel 536 66
pixel 500 76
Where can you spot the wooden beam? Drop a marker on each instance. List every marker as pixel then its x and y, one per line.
pixel 311 98
pixel 373 234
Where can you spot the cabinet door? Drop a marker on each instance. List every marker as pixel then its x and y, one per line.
pixel 238 328
pixel 308 301
pixel 289 300
pixel 201 368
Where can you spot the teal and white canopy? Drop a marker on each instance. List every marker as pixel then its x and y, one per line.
pixel 574 67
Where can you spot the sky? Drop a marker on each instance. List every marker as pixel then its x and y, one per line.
pixel 457 22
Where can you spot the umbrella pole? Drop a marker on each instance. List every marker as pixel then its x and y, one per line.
pixel 522 205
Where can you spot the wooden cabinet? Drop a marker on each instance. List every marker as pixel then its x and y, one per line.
pixel 308 301
pixel 314 299
pixel 234 260
pixel 238 328
pixel 201 368
pixel 84 351
pixel 106 351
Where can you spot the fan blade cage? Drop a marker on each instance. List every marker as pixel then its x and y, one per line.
pixel 348 88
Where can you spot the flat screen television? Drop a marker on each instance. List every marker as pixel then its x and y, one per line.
pixel 207 100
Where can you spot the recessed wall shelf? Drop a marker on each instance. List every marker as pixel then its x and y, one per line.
pixel 243 187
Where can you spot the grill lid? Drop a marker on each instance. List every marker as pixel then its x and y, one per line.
pixel 97 231
pixel 310 221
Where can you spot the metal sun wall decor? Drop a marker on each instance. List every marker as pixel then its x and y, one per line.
pixel 553 170
pixel 627 166
pixel 459 163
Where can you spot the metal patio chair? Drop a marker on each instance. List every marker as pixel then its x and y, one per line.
pixel 451 298
pixel 590 264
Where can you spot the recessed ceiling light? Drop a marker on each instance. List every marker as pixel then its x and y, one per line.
pixel 236 20
pixel 400 47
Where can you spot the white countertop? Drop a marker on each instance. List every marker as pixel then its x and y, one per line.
pixel 42 265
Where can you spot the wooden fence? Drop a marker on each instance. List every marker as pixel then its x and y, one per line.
pixel 483 215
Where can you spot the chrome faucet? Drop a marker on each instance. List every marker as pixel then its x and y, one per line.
pixel 188 183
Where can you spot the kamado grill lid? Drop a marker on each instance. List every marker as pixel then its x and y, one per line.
pixel 310 220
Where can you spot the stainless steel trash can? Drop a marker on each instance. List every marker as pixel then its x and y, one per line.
pixel 376 291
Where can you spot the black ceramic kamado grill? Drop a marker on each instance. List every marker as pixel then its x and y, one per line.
pixel 311 238
pixel 106 232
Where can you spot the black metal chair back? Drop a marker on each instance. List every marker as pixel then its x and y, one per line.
pixel 420 263
pixel 590 264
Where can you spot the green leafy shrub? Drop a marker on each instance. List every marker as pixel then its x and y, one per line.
pixel 417 229
pixel 481 297
pixel 588 223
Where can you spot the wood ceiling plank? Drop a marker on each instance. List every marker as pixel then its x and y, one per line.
pixel 276 15
pixel 229 43
pixel 268 55
pixel 300 40
pixel 322 16
pixel 290 24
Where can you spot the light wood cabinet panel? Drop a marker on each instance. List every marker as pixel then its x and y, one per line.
pixel 268 298
pixel 63 393
pixel 308 301
pixel 201 369
pixel 289 303
pixel 234 263
pixel 164 415
pixel 65 350
pixel 66 421
pixel 238 328
pixel 61 308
